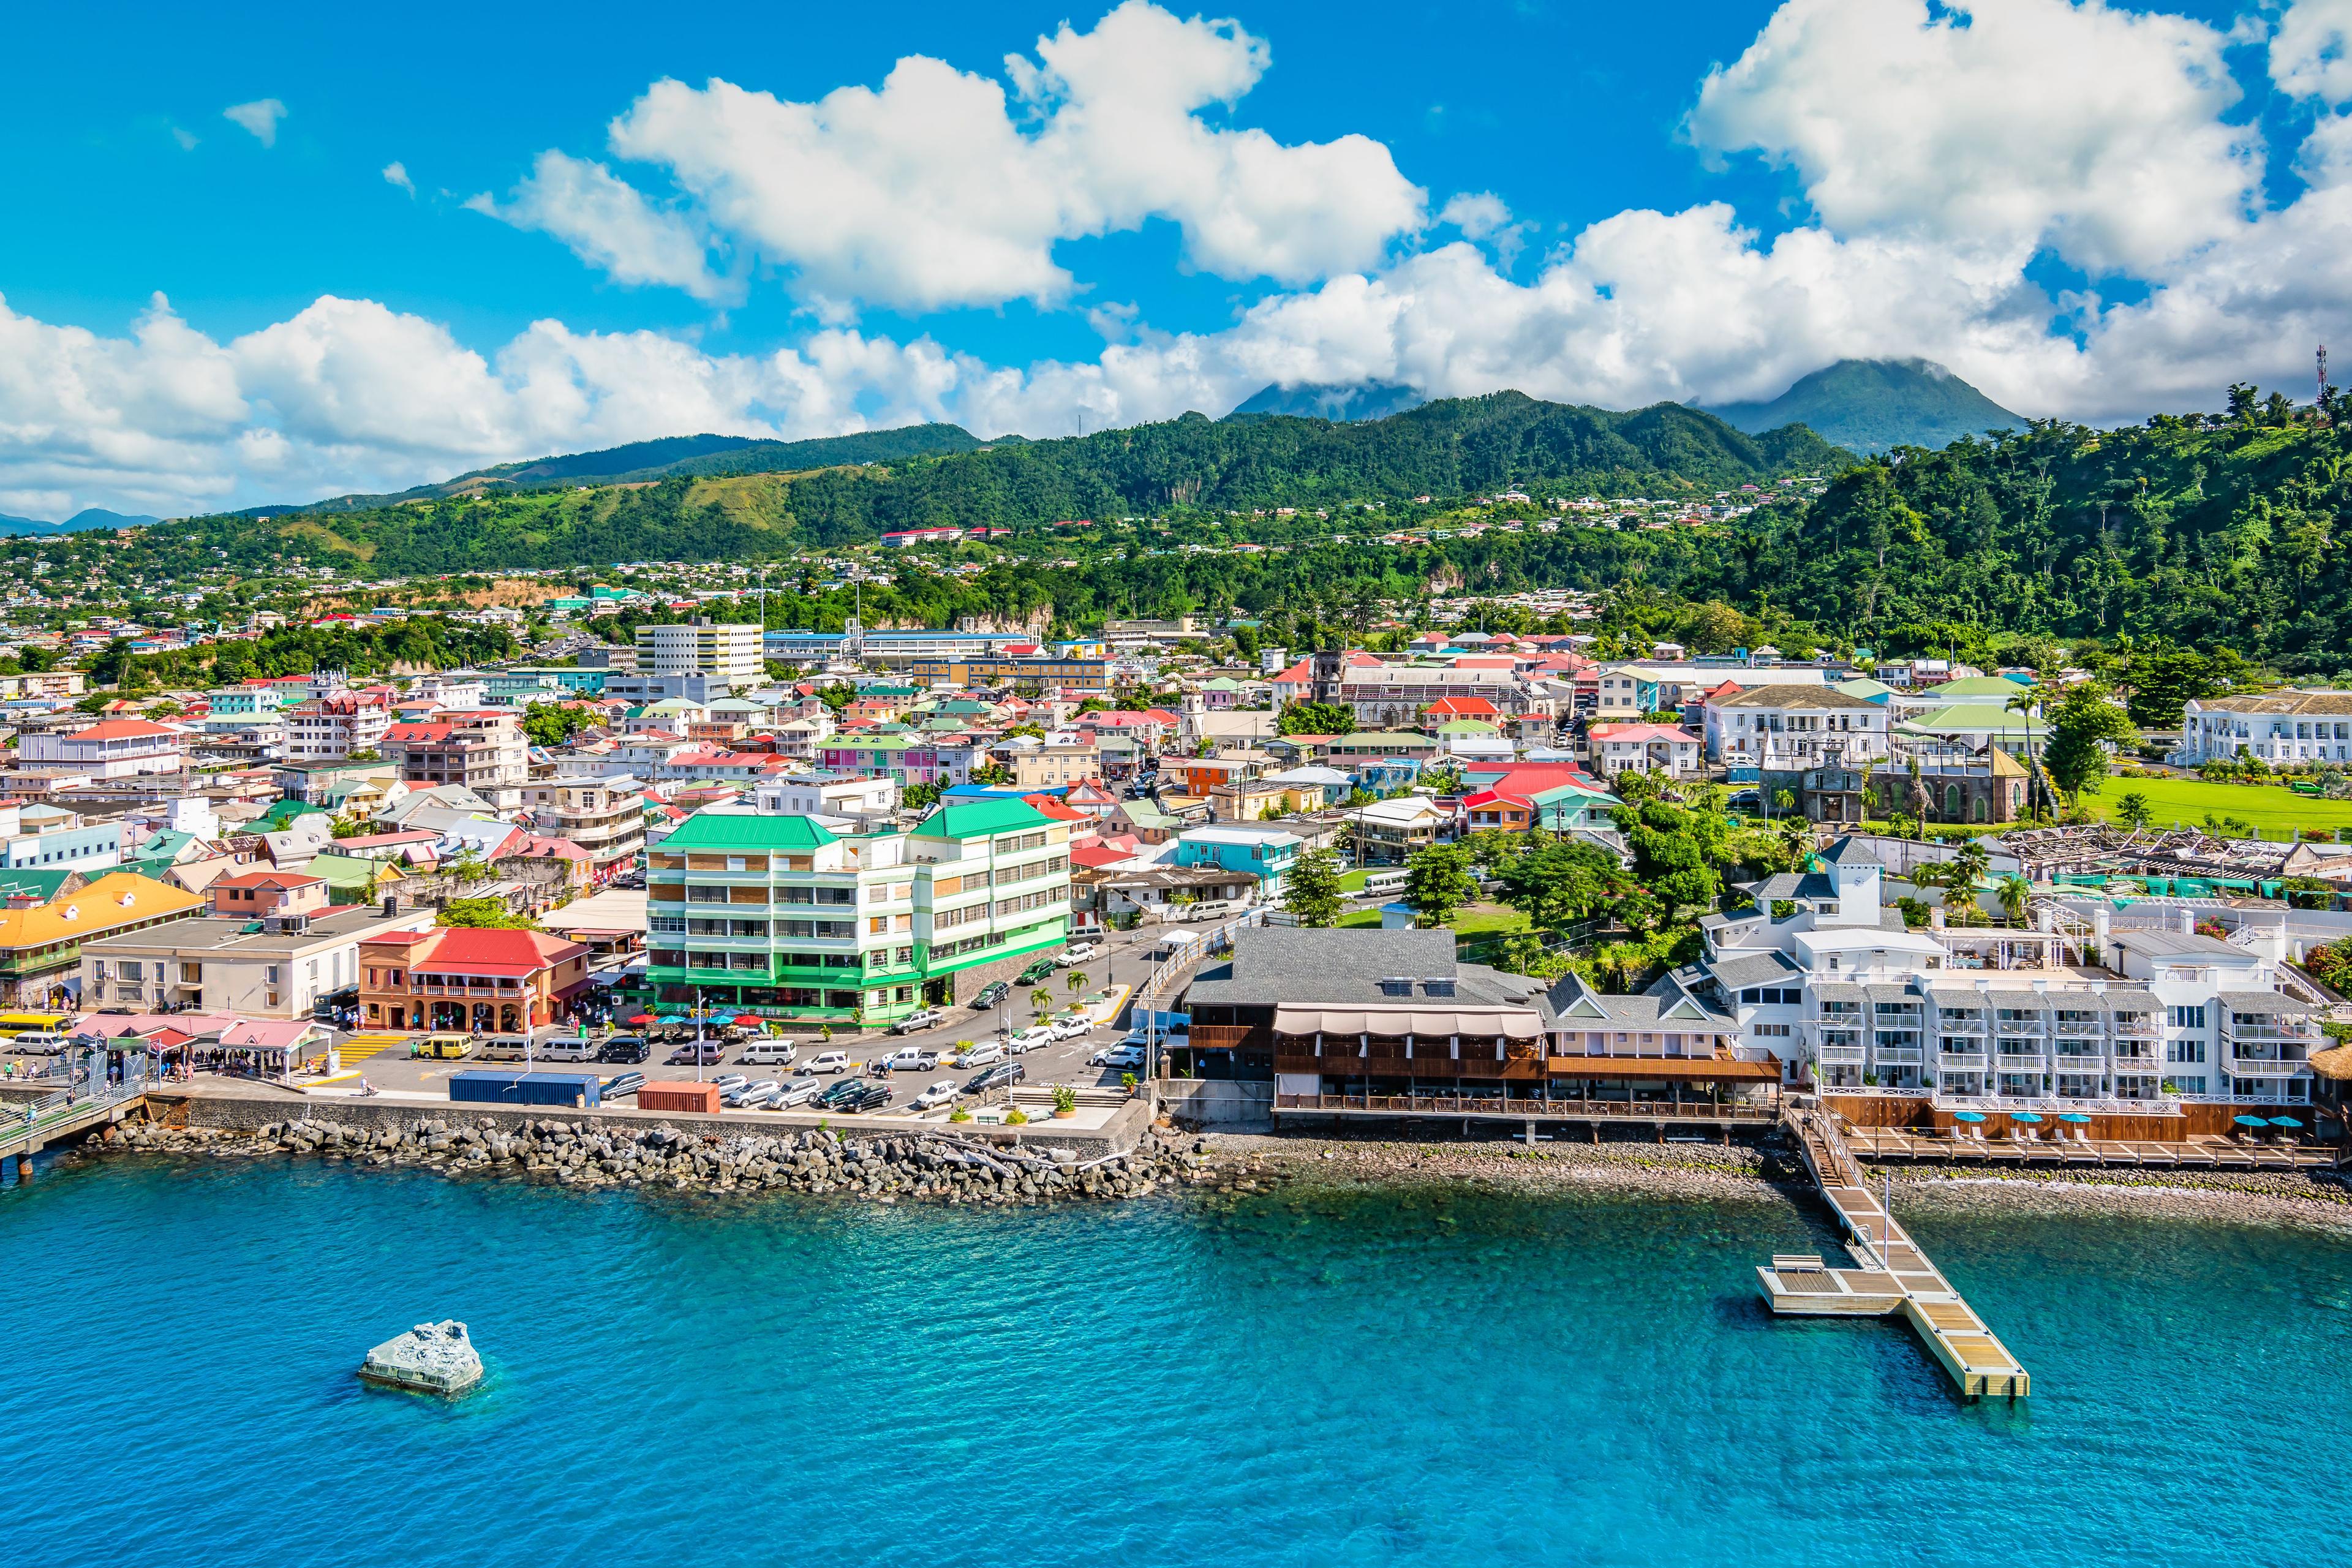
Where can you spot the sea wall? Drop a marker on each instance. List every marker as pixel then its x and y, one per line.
pixel 230 1111
pixel 1217 1102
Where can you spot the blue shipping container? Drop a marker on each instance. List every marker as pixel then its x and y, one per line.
pixel 480 1086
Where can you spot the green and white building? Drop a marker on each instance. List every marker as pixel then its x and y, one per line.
pixel 778 916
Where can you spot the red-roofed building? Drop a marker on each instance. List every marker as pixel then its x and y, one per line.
pixel 458 978
pixel 1463 707
pixel 109 749
pixel 483 749
pixel 257 894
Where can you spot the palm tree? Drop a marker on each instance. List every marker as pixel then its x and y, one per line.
pixel 2014 892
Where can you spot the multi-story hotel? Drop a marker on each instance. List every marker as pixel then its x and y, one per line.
pixel 332 728
pixel 2072 1011
pixel 726 651
pixel 605 816
pixel 778 915
pixel 483 749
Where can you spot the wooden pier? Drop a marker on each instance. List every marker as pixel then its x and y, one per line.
pixel 1893 1274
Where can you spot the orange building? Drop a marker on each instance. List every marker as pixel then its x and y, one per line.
pixel 484 982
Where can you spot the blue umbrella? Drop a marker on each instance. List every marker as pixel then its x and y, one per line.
pixel 2284 1122
pixel 2250 1121
pixel 2074 1116
pixel 1967 1116
pixel 2023 1116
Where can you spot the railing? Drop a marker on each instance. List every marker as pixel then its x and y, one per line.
pixel 1960 1061
pixel 2011 1061
pixel 1527 1110
pixel 1898 1055
pixel 2021 1026
pixel 2271 1036
pixel 2264 1066
pixel 1840 1056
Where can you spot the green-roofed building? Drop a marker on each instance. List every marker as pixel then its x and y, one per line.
pixel 1976 689
pixel 1371 744
pixel 781 917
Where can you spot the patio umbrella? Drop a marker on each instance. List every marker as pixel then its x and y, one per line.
pixel 2250 1121
pixel 643 1018
pixel 1968 1116
pixel 2023 1116
pixel 2074 1116
pixel 722 1019
pixel 2284 1122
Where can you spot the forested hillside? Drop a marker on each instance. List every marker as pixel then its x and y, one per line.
pixel 1447 449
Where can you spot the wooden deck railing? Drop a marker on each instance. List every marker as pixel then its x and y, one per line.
pixel 1526 1110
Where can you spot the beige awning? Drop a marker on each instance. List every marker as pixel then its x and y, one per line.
pixel 1422 1023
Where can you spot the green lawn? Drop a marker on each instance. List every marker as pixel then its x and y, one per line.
pixel 1471 919
pixel 2272 808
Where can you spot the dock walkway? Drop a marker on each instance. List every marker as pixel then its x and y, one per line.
pixel 2201 1151
pixel 1894 1275
pixel 61 1116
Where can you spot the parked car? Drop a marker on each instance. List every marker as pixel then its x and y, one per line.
pixel 35 1043
pixel 727 1083
pixel 798 1091
pixel 744 1095
pixel 990 994
pixel 939 1093
pixel 623 1049
pixel 1079 952
pixel 1003 1075
pixel 1070 1028
pixel 710 1052
pixel 841 1093
pixel 870 1095
pixel 825 1062
pixel 1118 1056
pixel 1036 971
pixel 980 1055
pixel 505 1048
pixel 912 1058
pixel 923 1018
pixel 621 1083
pixel 772 1053
pixel 437 1047
pixel 566 1048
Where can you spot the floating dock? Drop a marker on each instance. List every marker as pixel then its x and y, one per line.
pixel 1893 1274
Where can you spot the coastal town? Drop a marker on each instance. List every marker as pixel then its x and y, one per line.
pixel 1305 890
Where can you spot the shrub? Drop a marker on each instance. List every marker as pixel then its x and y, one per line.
pixel 1064 1097
pixel 1017 1117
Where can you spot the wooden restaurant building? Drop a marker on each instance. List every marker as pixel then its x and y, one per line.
pixel 1367 1024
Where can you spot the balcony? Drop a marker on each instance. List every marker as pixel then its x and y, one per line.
pixel 1960 1023
pixel 2134 1027
pixel 2021 1027
pixel 1840 1056
pixel 1960 1061
pixel 2264 1067
pixel 2260 1033
pixel 1898 1055
pixel 2025 1061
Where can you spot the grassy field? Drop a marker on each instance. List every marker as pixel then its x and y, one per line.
pixel 2272 810
pixel 1471 919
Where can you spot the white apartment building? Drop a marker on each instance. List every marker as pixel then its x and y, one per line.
pixel 111 748
pixel 1391 695
pixel 2000 1018
pixel 604 816
pixel 727 651
pixel 329 728
pixel 2280 727
pixel 1644 748
pixel 1791 729
pixel 1630 690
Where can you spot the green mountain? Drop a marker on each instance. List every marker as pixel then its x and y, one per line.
pixel 692 456
pixel 1873 405
pixel 1365 400
pixel 713 505
pixel 80 522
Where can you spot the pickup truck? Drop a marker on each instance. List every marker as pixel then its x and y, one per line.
pixel 912 1058
pixel 927 1018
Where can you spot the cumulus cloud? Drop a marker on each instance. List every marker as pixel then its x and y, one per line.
pixel 1939 163
pixel 941 189
pixel 609 224
pixel 2311 53
pixel 2094 130
pixel 260 117
pixel 396 174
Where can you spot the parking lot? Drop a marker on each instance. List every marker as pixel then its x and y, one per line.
pixel 385 1064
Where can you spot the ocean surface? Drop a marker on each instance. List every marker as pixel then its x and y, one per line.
pixel 1339 1377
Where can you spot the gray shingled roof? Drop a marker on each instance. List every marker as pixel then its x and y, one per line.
pixel 1767 968
pixel 1276 965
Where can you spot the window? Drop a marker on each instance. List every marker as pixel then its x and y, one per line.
pixel 2184 1050
pixel 2193 1084
pixel 2187 1018
pixel 1774 1031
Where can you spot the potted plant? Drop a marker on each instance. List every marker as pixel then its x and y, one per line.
pixel 1065 1101
pixel 1126 1081
pixel 1017 1117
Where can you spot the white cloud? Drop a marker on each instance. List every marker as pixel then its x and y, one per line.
pixel 1476 214
pixel 2311 53
pixel 186 138
pixel 610 225
pixel 260 117
pixel 938 189
pixel 2094 130
pixel 396 174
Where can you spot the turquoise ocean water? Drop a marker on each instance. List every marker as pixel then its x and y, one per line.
pixel 1374 1377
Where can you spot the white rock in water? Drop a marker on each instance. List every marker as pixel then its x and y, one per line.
pixel 432 1358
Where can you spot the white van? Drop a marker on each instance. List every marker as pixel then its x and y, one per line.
pixel 566 1048
pixel 505 1048
pixel 35 1043
pixel 777 1053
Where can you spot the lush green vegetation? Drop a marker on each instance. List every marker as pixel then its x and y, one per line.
pixel 1875 404
pixel 2189 802
pixel 399 647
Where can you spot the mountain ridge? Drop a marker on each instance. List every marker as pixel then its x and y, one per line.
pixel 1872 405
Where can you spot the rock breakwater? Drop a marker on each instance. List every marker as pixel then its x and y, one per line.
pixel 914 1167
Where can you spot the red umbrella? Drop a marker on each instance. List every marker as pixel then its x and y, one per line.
pixel 642 1018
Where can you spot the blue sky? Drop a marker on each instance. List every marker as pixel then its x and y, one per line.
pixel 2088 211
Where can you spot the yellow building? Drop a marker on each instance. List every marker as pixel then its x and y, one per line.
pixel 41 945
